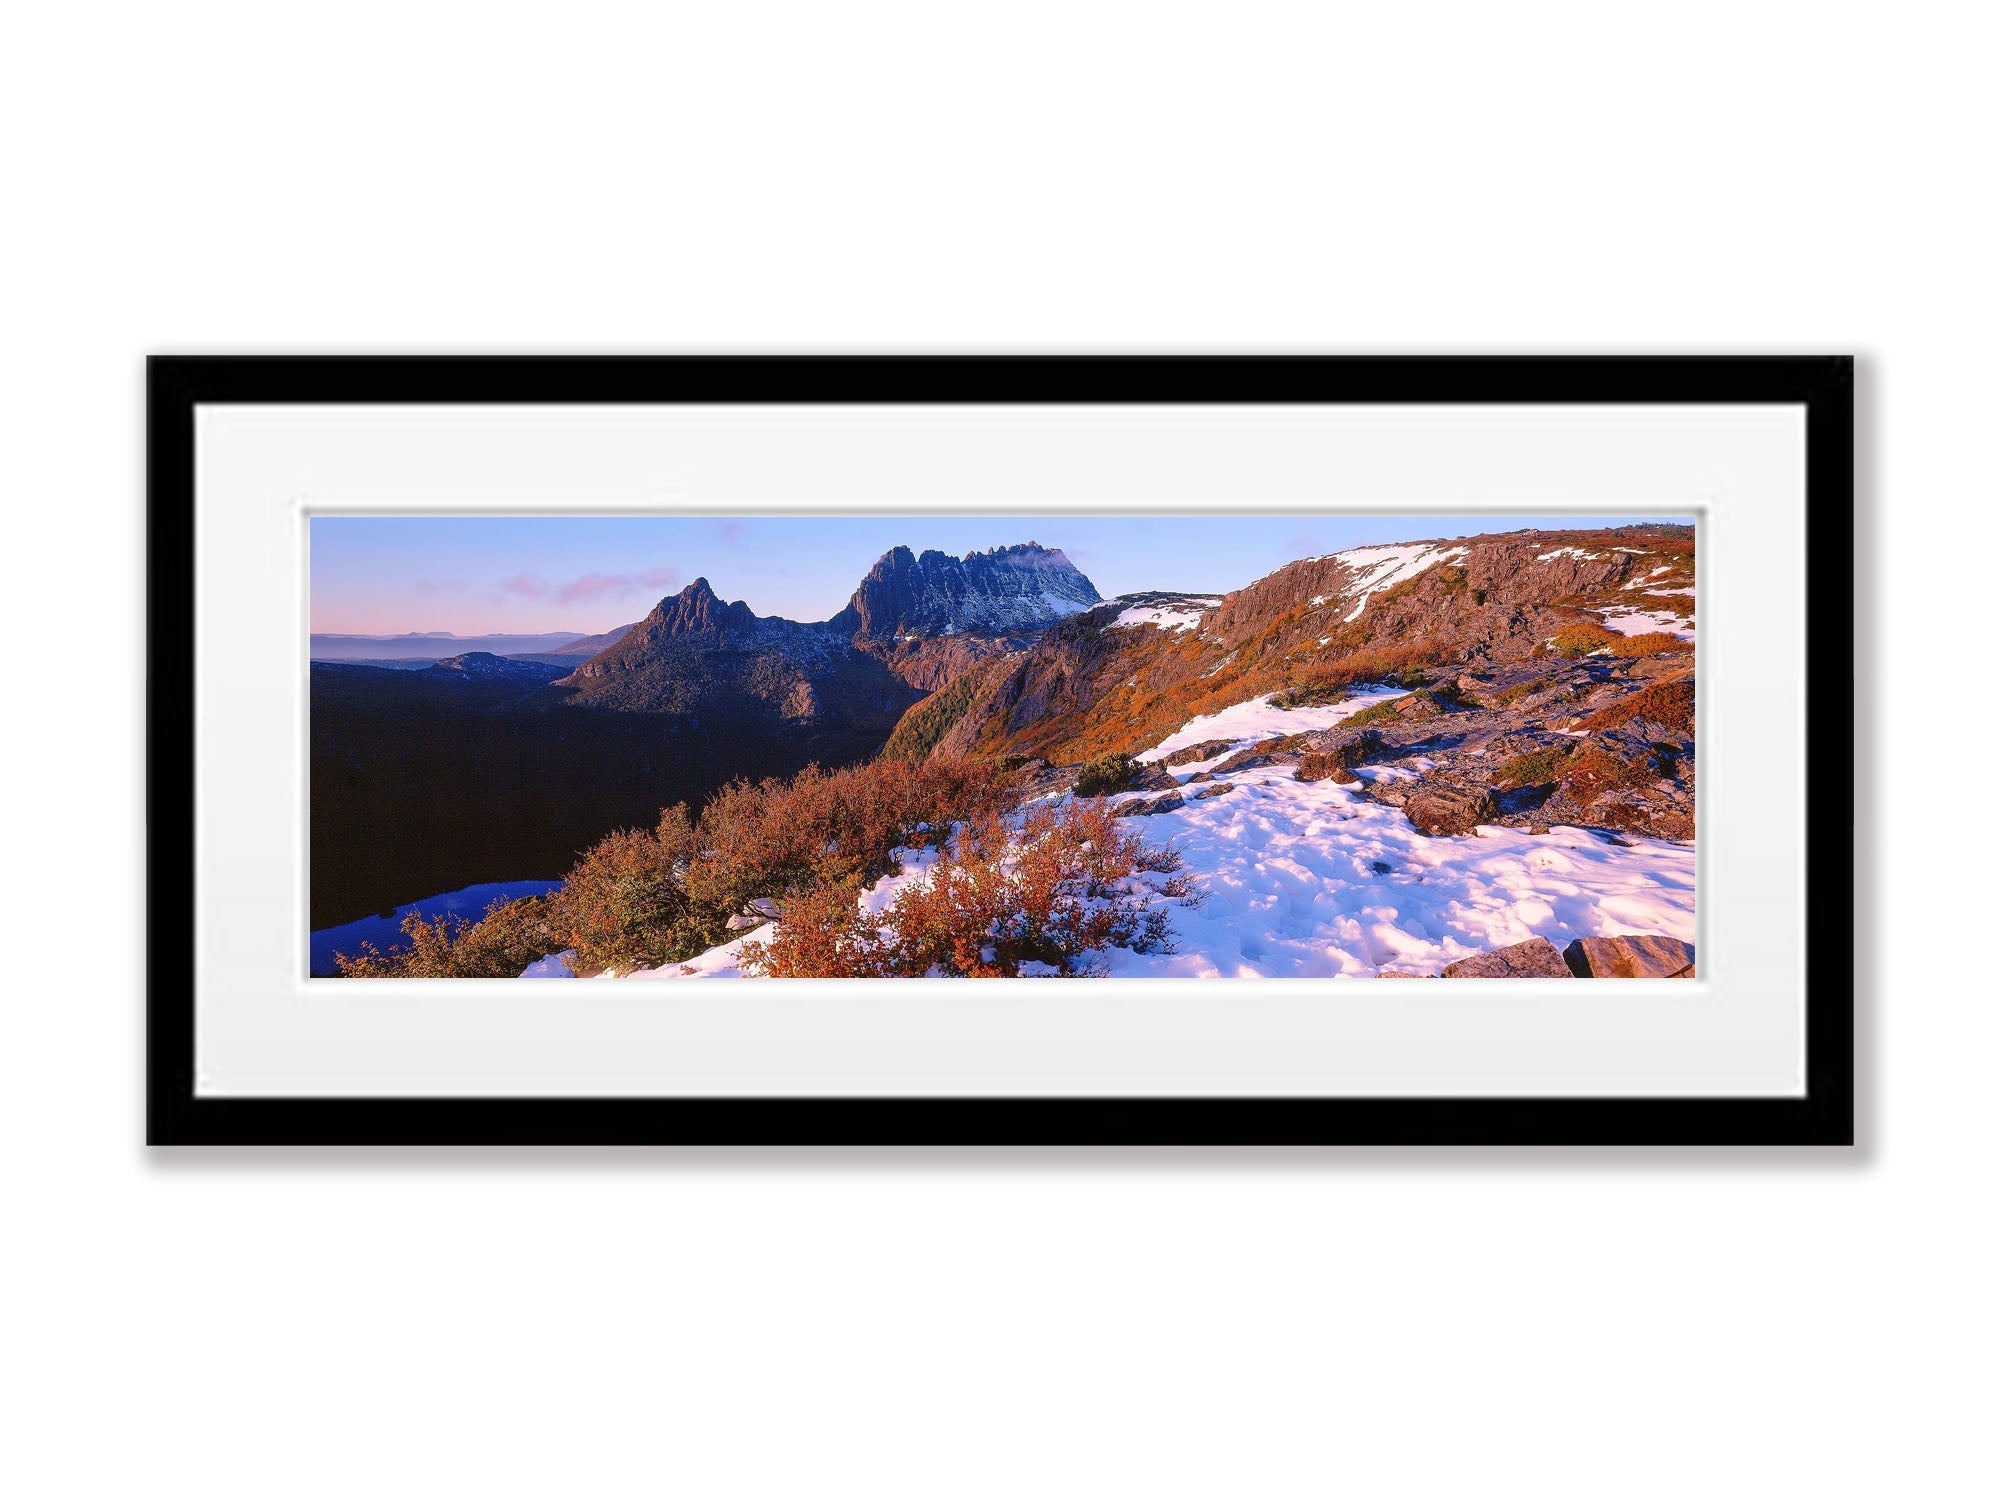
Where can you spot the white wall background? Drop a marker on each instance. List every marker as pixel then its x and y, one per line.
pixel 1528 177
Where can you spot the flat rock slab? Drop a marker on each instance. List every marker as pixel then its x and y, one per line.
pixel 1213 789
pixel 1537 958
pixel 1630 957
pixel 1145 807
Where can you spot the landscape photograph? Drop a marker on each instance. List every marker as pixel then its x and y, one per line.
pixel 667 748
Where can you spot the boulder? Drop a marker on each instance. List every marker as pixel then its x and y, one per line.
pixel 1424 703
pixel 1213 789
pixel 1145 807
pixel 743 922
pixel 1630 956
pixel 1441 809
pixel 1153 777
pixel 1206 750
pixel 1318 765
pixel 1537 958
pixel 1391 791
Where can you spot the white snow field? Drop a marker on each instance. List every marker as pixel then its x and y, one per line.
pixel 1312 880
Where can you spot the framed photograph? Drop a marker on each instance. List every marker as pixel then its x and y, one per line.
pixel 1001 751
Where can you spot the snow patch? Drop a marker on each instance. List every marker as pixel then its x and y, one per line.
pixel 1257 719
pixel 1641 582
pixel 1577 552
pixel 1175 617
pixel 1378 568
pixel 1628 621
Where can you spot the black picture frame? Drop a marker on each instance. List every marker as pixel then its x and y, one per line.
pixel 1823 1115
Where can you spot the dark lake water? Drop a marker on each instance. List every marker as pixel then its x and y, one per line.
pixel 387 932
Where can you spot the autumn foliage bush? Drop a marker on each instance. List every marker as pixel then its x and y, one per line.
pixel 1582 638
pixel 1669 704
pixel 1652 643
pixel 1055 889
pixel 510 936
pixel 642 898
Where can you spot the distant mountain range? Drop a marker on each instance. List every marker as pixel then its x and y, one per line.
pixel 435 645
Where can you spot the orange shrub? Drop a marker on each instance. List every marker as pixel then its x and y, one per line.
pixel 1582 638
pixel 1669 703
pixel 1057 890
pixel 624 905
pixel 1652 643
pixel 832 828
pixel 1592 771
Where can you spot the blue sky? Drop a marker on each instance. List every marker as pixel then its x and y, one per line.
pixel 475 575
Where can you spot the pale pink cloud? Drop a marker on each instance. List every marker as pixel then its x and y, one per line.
pixel 617 585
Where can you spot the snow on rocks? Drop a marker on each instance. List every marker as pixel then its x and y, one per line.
pixel 1175 617
pixel 1378 568
pixel 1628 621
pixel 1576 552
pixel 1640 583
pixel 1257 719
pixel 551 966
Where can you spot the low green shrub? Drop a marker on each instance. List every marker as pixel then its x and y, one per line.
pixel 1102 775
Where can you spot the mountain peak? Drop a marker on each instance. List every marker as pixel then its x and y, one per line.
pixel 698 608
pixel 1007 590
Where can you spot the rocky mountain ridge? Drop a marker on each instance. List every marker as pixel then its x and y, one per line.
pixel 1549 677
pixel 1014 590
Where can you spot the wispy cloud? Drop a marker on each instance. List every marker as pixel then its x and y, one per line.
pixel 617 585
pixel 591 585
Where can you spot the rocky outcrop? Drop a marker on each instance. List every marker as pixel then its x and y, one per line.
pixel 1442 809
pixel 1630 957
pixel 1188 755
pixel 1537 958
pixel 1317 765
pixel 1145 807
pixel 1335 752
